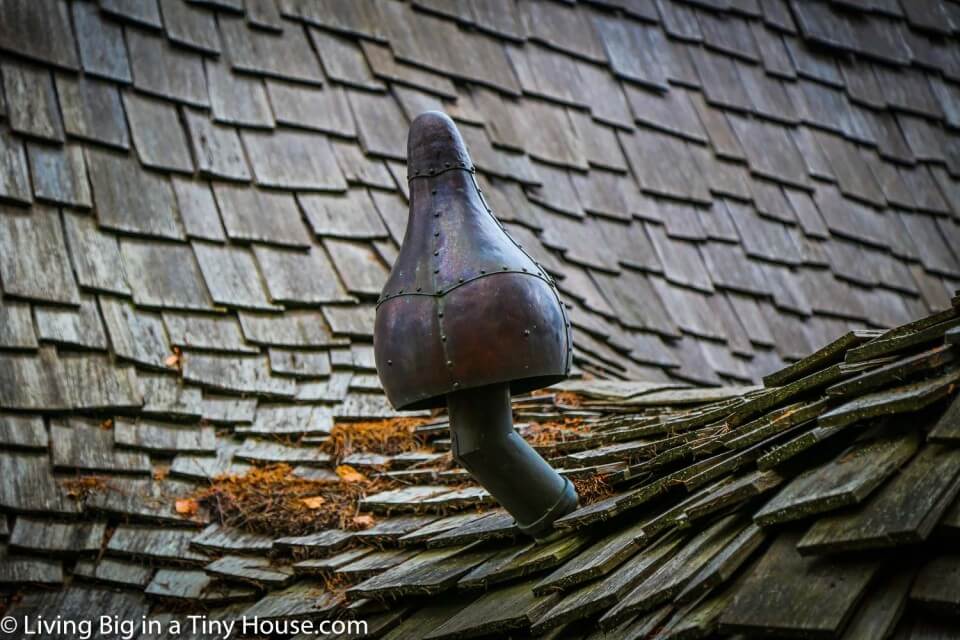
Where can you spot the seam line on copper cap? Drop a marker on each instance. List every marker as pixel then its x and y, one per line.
pixel 433 173
pixel 466 281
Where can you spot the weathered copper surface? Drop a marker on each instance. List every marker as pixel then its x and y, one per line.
pixel 464 305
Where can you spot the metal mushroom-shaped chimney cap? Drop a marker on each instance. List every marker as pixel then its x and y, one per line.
pixel 464 306
pixel 465 319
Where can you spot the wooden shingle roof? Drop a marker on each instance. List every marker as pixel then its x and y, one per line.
pixel 199 203
pixel 821 504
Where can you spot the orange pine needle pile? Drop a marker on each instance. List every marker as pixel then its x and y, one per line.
pixel 567 399
pixel 80 488
pixel 543 433
pixel 386 437
pixel 274 501
pixel 592 489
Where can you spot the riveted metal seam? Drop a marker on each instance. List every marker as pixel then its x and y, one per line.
pixel 467 281
pixel 433 173
pixel 434 287
pixel 549 280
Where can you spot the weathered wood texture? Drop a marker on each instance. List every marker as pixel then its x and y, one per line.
pixel 789 594
pixel 905 510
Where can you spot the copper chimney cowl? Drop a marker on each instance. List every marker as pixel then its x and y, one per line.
pixel 465 319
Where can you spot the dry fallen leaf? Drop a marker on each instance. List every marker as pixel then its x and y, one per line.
pixel 80 488
pixel 349 474
pixel 174 360
pixel 313 502
pixel 363 521
pixel 187 507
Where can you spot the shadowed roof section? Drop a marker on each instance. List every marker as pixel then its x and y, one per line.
pixel 201 200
